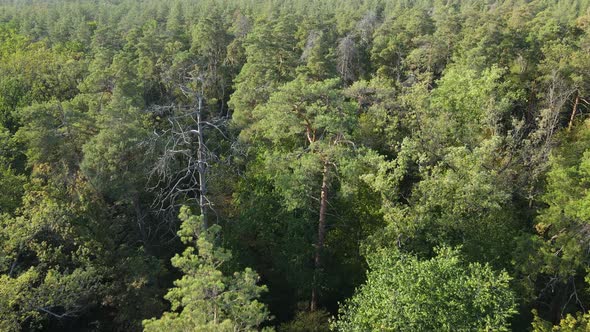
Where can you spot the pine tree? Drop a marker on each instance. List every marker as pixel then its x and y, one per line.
pixel 205 299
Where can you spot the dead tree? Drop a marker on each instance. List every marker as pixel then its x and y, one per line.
pixel 541 139
pixel 181 173
pixel 347 59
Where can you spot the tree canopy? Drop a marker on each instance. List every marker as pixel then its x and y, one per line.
pixel 370 165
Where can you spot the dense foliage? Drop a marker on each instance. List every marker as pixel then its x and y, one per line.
pixel 209 300
pixel 440 294
pixel 433 154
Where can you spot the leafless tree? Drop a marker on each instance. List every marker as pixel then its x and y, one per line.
pixel 312 41
pixel 367 25
pixel 347 59
pixel 540 141
pixel 181 172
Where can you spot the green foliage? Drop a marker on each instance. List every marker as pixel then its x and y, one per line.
pixel 60 259
pixel 205 299
pixel 45 273
pixel 210 41
pixel 32 72
pixel 115 158
pixel 55 294
pixel 468 105
pixel 562 242
pixel 305 124
pixel 395 39
pixel 270 60
pixel 570 323
pixel 11 185
pixel 306 321
pixel 415 124
pixel 441 294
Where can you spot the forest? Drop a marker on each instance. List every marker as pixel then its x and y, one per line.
pixel 294 165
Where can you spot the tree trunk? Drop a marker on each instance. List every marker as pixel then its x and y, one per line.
pixel 202 168
pixel 574 110
pixel 140 217
pixel 321 236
